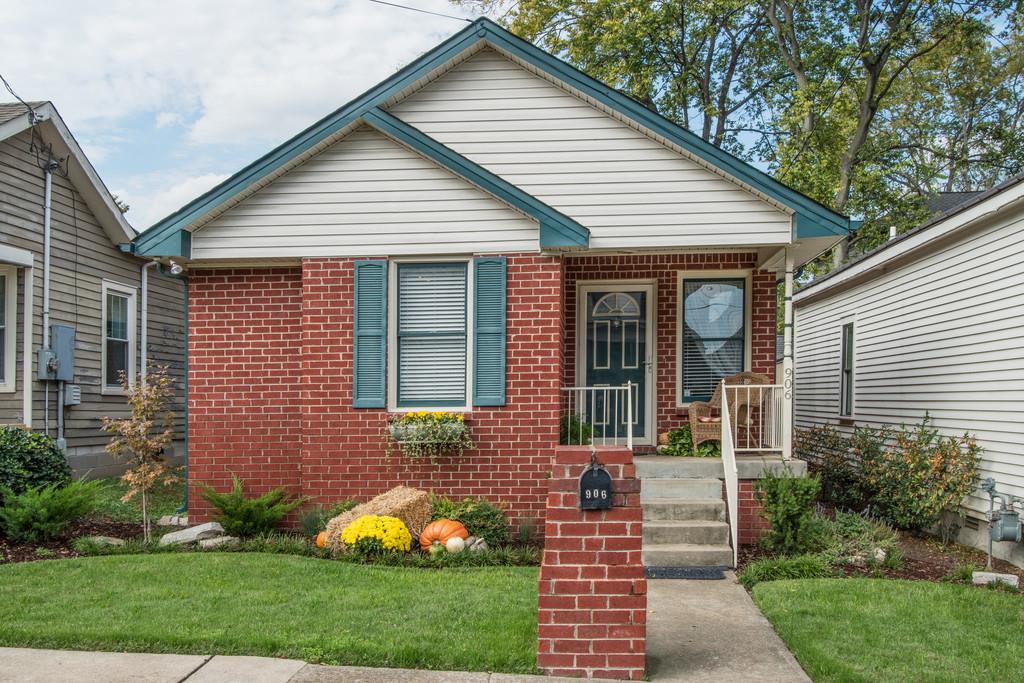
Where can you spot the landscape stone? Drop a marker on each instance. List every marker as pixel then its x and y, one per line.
pixel 985 578
pixel 217 541
pixel 193 534
pixel 173 520
pixel 104 540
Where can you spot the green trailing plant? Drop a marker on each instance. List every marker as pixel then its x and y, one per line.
pixel 313 520
pixel 914 474
pixel 244 516
pixel 680 443
pixel 572 431
pixel 827 452
pixel 426 434
pixel 851 538
pixel 806 566
pixel 481 518
pixel 43 512
pixel 787 503
pixel 30 459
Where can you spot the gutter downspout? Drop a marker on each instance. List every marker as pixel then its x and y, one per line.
pixel 144 336
pixel 48 170
pixel 27 379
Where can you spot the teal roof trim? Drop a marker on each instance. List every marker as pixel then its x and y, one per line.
pixel 556 229
pixel 811 216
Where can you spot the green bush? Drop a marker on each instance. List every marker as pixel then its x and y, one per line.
pixel 29 459
pixel 680 443
pixel 245 517
pixel 921 474
pixel 481 518
pixel 807 566
pixel 849 536
pixel 573 431
pixel 41 513
pixel 827 451
pixel 314 519
pixel 786 502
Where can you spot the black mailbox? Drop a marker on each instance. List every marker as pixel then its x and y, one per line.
pixel 595 487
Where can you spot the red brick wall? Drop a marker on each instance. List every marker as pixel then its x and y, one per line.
pixel 664 269
pixel 332 450
pixel 592 594
pixel 752 525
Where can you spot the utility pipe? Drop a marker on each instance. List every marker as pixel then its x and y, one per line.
pixel 27 379
pixel 144 337
pixel 48 170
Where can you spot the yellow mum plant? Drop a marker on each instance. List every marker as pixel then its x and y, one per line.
pixel 376 533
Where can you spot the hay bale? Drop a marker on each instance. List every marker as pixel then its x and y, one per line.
pixel 412 506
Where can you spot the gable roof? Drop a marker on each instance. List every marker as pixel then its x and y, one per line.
pixel 15 119
pixel 166 238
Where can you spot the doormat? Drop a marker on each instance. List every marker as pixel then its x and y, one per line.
pixel 699 573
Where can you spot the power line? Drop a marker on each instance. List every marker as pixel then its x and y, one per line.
pixel 424 11
pixel 7 85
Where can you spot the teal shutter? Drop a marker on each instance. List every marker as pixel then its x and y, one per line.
pixel 489 331
pixel 370 347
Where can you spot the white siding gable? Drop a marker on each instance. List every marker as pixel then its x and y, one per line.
pixel 366 195
pixel 628 189
pixel 940 333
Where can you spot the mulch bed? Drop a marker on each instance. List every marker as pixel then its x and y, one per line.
pixel 62 547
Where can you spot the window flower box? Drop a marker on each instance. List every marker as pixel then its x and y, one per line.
pixel 429 434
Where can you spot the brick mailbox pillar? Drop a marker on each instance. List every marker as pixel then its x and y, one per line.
pixel 592 603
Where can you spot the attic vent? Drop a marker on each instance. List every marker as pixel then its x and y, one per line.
pixel 971 523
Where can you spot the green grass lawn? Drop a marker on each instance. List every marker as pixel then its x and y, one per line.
pixel 482 619
pixel 886 630
pixel 165 501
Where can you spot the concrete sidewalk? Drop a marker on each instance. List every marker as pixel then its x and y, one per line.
pixel 22 665
pixel 704 631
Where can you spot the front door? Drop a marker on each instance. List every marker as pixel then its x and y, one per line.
pixel 615 341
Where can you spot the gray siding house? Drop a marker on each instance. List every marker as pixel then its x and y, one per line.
pixel 118 312
pixel 932 322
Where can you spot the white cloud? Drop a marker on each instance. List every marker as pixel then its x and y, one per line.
pixel 163 197
pixel 166 119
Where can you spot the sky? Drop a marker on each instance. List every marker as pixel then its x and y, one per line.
pixel 169 98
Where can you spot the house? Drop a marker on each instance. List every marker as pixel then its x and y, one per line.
pixel 930 322
pixel 71 292
pixel 492 232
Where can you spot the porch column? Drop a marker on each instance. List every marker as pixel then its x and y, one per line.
pixel 787 361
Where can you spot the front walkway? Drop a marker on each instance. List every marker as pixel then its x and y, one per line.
pixel 701 631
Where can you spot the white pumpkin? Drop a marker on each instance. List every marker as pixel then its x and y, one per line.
pixel 455 545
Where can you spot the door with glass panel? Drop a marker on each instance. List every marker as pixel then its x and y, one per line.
pixel 713 334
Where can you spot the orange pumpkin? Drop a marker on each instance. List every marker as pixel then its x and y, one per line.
pixel 321 539
pixel 440 530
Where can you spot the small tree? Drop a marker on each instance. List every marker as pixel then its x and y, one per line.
pixel 140 438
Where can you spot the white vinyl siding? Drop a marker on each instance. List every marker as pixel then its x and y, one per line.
pixel 366 195
pixel 628 189
pixel 431 340
pixel 939 333
pixel 8 327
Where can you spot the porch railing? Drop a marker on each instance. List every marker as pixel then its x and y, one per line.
pixel 753 422
pixel 599 416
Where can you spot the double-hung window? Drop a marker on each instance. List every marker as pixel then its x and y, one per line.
pixel 713 334
pixel 846 372
pixel 118 335
pixel 432 344
pixel 8 291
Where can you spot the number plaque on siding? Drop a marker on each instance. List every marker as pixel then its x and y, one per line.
pixel 595 487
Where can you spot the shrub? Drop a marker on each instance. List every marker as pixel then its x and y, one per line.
pixel 481 518
pixel 807 566
pixel 680 443
pixel 41 513
pixel 245 517
pixel 786 502
pixel 962 573
pixel 921 475
pixel 29 459
pixel 849 536
pixel 314 519
pixel 375 534
pixel 827 451
pixel 575 432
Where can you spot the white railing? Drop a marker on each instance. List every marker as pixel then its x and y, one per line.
pixel 599 416
pixel 732 478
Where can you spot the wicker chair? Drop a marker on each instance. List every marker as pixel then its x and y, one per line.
pixel 705 418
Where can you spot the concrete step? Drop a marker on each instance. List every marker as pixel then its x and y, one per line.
pixel 671 467
pixel 697 532
pixel 687 555
pixel 680 488
pixel 706 509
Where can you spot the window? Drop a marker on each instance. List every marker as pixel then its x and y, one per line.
pixel 846 372
pixel 430 339
pixel 8 291
pixel 118 335
pixel 713 334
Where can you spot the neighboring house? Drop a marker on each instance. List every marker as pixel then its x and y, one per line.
pixel 95 290
pixel 930 322
pixel 477 233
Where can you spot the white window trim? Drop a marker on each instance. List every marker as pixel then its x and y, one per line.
pixel 132 294
pixel 10 322
pixel 848 320
pixel 392 377
pixel 748 304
